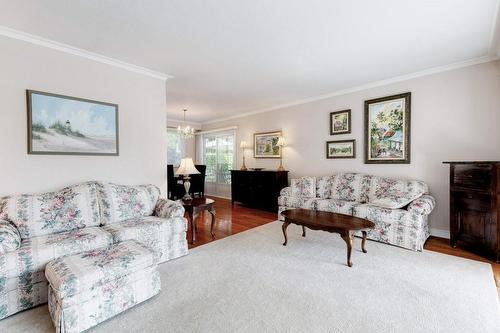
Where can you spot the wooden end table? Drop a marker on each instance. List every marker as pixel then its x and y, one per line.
pixel 195 206
pixel 330 222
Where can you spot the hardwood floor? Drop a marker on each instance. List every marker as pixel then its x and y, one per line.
pixel 230 221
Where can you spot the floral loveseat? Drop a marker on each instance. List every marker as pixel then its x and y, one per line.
pixel 399 208
pixel 35 229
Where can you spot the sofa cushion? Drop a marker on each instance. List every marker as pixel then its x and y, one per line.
pixel 351 187
pixel 121 202
pixel 298 202
pixel 153 232
pixel 70 208
pixel 335 206
pixel 393 193
pixel 9 237
pixel 28 262
pixel 386 216
pixel 324 186
pixel 304 187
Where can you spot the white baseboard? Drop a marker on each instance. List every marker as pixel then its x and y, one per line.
pixel 440 233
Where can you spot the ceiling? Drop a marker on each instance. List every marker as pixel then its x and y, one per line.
pixel 232 57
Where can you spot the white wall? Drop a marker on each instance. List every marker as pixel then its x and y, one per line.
pixel 455 116
pixel 142 116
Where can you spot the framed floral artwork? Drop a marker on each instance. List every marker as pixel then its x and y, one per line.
pixel 340 122
pixel 387 129
pixel 341 149
pixel 266 145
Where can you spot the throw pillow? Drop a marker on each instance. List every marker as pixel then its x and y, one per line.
pixel 10 239
pixel 304 187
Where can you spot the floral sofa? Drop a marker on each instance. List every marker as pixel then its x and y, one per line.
pixel 399 208
pixel 36 229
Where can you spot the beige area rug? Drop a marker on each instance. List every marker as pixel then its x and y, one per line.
pixel 249 282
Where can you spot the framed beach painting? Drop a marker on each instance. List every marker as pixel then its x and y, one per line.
pixel 387 129
pixel 265 145
pixel 340 122
pixel 64 125
pixel 341 149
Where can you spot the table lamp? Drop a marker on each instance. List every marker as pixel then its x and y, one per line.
pixel 186 168
pixel 243 145
pixel 281 144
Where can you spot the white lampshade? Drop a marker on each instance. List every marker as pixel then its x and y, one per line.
pixel 281 142
pixel 243 144
pixel 186 167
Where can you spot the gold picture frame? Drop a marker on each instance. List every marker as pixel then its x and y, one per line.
pixel 265 145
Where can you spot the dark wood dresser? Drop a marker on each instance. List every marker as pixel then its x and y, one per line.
pixel 474 207
pixel 258 189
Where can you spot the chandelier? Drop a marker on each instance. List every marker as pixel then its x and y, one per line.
pixel 186 131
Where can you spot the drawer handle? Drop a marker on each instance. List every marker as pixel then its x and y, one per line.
pixel 470 196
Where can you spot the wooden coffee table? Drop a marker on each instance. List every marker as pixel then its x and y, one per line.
pixel 326 221
pixel 193 207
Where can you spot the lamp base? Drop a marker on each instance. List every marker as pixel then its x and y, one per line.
pixel 280 168
pixel 187 185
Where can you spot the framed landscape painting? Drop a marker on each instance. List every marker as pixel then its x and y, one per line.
pixel 387 129
pixel 265 145
pixel 340 122
pixel 64 125
pixel 341 149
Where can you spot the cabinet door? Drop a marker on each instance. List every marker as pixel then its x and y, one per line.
pixel 472 226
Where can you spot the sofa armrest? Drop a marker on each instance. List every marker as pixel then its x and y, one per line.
pixel 286 191
pixel 423 205
pixel 168 208
pixel 10 239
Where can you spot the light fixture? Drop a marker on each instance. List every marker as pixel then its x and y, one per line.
pixel 186 131
pixel 281 144
pixel 187 168
pixel 243 146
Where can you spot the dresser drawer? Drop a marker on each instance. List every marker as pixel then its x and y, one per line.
pixel 473 176
pixel 467 201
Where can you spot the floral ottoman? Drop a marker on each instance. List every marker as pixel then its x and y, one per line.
pixel 87 288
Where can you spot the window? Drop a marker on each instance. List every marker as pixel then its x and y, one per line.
pixel 218 154
pixel 176 147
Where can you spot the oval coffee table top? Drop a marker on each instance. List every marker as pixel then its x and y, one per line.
pixel 326 220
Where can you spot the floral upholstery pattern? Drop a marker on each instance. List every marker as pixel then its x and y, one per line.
pixel 164 237
pixel 168 208
pixel 120 202
pixel 90 287
pixel 22 269
pixel 324 186
pixel 304 187
pixel 423 205
pixel 23 284
pixel 404 223
pixel 351 187
pixel 395 226
pixel 393 193
pixel 9 237
pixel 36 215
pixel 335 206
pixel 298 202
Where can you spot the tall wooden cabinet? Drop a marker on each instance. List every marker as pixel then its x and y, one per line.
pixel 474 206
pixel 259 189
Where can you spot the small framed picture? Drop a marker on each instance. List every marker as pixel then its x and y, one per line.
pixel 340 122
pixel 266 145
pixel 341 149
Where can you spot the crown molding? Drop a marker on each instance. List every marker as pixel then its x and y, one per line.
pixel 494 48
pixel 37 40
pixel 426 72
